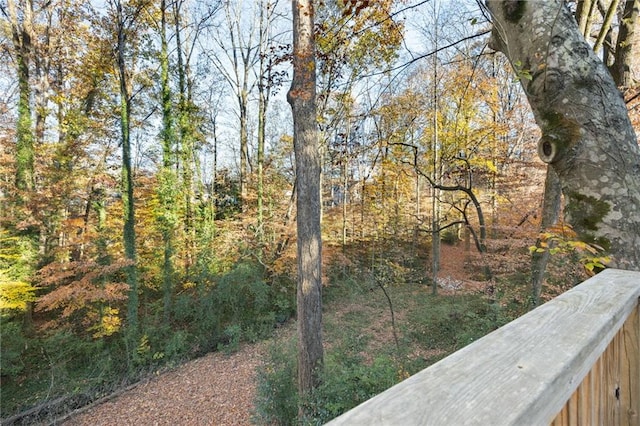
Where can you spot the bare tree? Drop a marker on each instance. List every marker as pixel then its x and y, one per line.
pixel 239 53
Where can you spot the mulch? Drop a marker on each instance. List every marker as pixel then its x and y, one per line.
pixel 217 389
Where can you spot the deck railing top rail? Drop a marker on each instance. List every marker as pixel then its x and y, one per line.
pixel 522 373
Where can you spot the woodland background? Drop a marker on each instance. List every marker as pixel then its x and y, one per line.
pixel 147 188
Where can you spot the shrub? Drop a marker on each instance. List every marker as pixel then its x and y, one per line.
pixel 455 321
pixel 346 382
pixel 244 299
pixel 449 236
pixel 11 349
pixel 232 335
pixel 198 313
pixel 277 396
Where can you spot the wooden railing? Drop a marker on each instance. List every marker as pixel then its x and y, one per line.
pixel 573 361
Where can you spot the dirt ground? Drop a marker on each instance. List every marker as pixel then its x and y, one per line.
pixel 217 389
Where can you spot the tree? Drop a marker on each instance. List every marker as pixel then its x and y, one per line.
pixel 167 193
pixel 22 28
pixel 302 98
pixel 22 31
pixel 268 80
pixel 626 45
pixel 618 57
pixel 551 204
pixel 618 49
pixel 126 16
pixel 587 136
pixel 188 121
pixel 352 40
pixel 241 53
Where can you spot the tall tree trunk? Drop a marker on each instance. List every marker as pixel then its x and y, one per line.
pixel 168 181
pixel 98 203
pixel 344 171
pixel 22 33
pixel 262 112
pixel 435 192
pixel 620 70
pixel 243 104
pixel 264 81
pixel 587 136
pixel 23 37
pixel 42 62
pixel 127 174
pixel 626 46
pixel 302 97
pixel 345 192
pixel 237 44
pixel 185 142
pixel 550 214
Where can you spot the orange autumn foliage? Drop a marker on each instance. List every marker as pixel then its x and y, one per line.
pixel 83 296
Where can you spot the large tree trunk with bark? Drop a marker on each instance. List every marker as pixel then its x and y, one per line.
pixel 586 134
pixel 302 97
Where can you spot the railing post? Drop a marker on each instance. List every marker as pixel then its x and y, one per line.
pixel 630 383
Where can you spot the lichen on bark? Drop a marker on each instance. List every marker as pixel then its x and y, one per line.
pixel 587 213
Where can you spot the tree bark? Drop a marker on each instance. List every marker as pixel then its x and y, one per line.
pixel 550 214
pixel 626 46
pixel 22 34
pixel 129 230
pixel 264 92
pixel 168 180
pixel 185 140
pixel 587 136
pixel 302 97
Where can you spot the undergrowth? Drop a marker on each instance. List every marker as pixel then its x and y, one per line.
pixel 362 358
pixel 381 324
pixel 215 313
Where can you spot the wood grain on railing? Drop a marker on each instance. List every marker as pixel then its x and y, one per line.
pixel 610 393
pixel 572 361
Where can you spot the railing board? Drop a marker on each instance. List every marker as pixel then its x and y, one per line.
pixel 522 373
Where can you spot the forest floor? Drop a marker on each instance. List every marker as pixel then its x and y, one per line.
pixel 217 389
